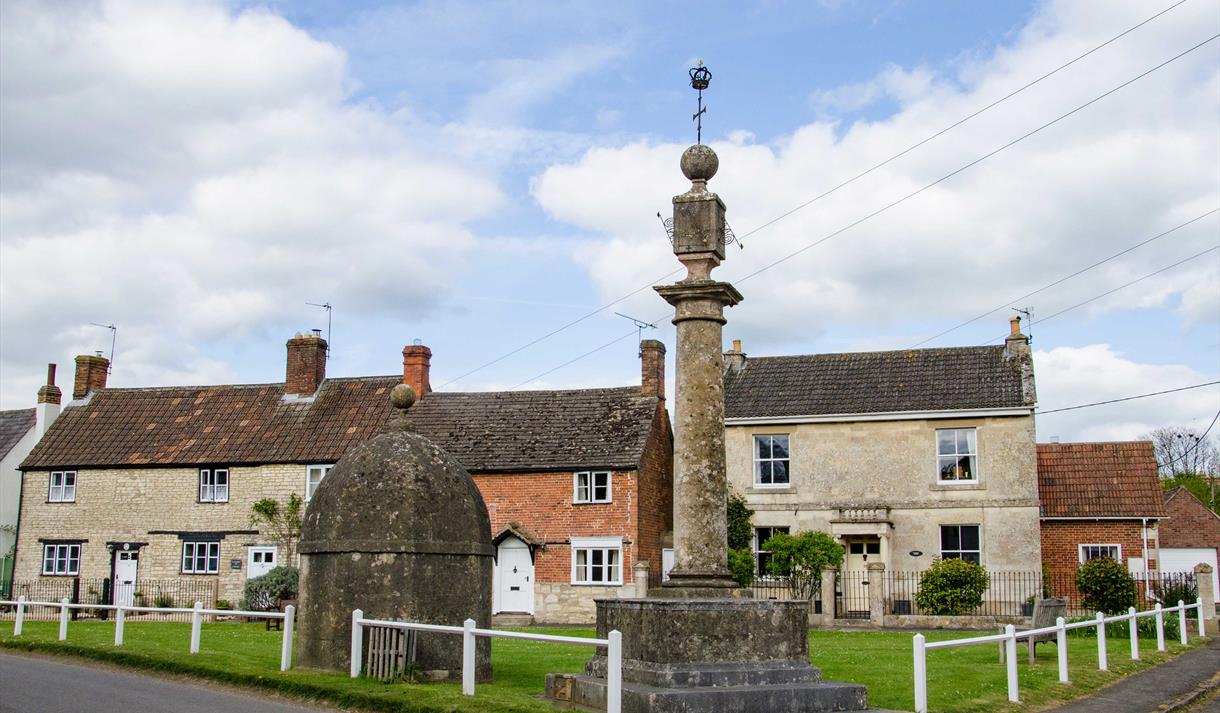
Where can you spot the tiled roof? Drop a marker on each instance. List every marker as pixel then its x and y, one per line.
pixel 1114 479
pixel 874 382
pixel 1190 522
pixel 14 425
pixel 253 424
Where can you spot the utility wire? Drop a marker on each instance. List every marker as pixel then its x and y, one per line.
pixel 1120 287
pixel 912 194
pixel 1128 398
pixel 1198 444
pixel 809 202
pixel 1061 280
pixel 573 360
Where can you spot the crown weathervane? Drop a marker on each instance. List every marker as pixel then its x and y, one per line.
pixel 700 77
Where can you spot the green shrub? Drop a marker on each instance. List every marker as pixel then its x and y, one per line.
pixel 951 587
pixel 224 604
pixel 800 559
pixel 741 564
pixel 1184 590
pixel 1105 585
pixel 163 601
pixel 740 530
pixel 264 593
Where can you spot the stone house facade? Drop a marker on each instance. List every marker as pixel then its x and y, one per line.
pixel 1189 535
pixel 1099 500
pixel 163 479
pixel 902 456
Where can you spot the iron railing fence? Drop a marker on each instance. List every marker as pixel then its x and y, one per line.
pixel 161 593
pixel 1012 594
pixel 851 594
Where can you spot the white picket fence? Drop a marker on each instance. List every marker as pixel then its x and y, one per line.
pixel 468 631
pixel 1011 635
pixel 197 613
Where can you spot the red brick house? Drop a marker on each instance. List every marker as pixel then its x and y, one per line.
pixel 1190 535
pixel 1098 500
pixel 577 482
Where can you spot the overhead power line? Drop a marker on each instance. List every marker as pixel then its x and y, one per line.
pixel 1128 398
pixel 1198 443
pixel 916 192
pixel 1061 280
pixel 822 195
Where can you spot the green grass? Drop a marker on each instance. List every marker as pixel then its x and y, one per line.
pixel 960 679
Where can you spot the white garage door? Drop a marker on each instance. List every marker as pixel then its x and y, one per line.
pixel 1184 559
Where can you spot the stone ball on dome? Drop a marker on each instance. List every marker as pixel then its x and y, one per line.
pixel 699 163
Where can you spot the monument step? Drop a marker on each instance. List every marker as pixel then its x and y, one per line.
pixel 588 693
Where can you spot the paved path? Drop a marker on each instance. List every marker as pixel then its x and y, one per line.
pixel 33 684
pixel 1148 691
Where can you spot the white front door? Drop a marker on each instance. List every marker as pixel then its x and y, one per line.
pixel 125 566
pixel 515 578
pixel 261 560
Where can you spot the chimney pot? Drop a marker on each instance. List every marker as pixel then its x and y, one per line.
pixel 91 373
pixel 416 368
pixel 735 359
pixel 652 368
pixel 49 393
pixel 1014 325
pixel 736 345
pixel 306 369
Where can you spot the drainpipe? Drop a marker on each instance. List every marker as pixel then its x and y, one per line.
pixel 1144 536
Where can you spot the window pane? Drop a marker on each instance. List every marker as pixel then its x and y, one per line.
pixel 945 442
pixel 779 471
pixel 763 446
pixel 970 537
pixel 186 556
pixel 963 445
pixel 779 447
pixel 950 539
pixel 965 468
pixel 946 465
pixel 971 557
pixel 971 444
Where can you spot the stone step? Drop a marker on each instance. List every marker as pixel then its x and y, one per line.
pixel 588 693
pixel 512 619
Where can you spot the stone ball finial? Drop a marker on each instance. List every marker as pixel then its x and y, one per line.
pixel 402 397
pixel 699 163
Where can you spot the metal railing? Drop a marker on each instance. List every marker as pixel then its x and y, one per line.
pixel 468 631
pixel 1011 635
pixel 161 594
pixel 196 612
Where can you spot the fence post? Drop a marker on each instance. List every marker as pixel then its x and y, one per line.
pixel 1199 610
pixel 20 619
pixel 828 594
pixel 1160 628
pixel 468 657
pixel 921 675
pixel 1135 636
pixel 614 673
pixel 1207 596
pixel 1103 663
pixel 1182 621
pixel 876 593
pixel 119 619
pixel 1011 647
pixel 290 615
pixel 1061 648
pixel 357 642
pixel 63 618
pixel 196 626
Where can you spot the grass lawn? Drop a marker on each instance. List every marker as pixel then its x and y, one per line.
pixel 960 679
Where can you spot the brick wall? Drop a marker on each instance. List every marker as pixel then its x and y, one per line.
pixel 656 509
pixel 1190 523
pixel 1061 540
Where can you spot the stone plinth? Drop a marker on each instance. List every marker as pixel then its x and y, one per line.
pixel 718 654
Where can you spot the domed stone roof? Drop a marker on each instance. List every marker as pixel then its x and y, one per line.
pixel 398 492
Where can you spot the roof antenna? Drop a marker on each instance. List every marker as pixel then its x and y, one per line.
pixel 329 309
pixel 640 325
pixel 1029 320
pixel 114 331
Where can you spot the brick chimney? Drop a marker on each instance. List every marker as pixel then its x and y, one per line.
pixel 652 368
pixel 306 364
pixel 734 359
pixel 416 363
pixel 49 397
pixel 91 371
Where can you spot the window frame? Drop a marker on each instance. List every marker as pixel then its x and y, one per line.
pixel 1111 545
pixel 758 461
pixel 974 463
pixel 62 488
pixel 597 544
pixel 325 468
pixel 960 550
pixel 67 558
pixel 591 487
pixel 209 560
pixel 210 473
pixel 758 551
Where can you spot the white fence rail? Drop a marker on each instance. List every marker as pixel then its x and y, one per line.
pixel 613 644
pixel 197 613
pixel 1011 635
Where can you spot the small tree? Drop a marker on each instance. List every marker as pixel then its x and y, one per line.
pixel 740 532
pixel 741 566
pixel 284 521
pixel 951 587
pixel 264 593
pixel 801 558
pixel 1105 585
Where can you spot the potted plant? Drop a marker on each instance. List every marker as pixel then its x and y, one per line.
pixel 1027 607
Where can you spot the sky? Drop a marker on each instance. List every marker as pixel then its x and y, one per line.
pixel 485 178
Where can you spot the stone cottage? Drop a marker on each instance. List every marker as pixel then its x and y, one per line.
pixel 577 482
pixel 902 456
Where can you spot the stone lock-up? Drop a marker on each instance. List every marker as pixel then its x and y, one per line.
pixel 699 642
pixel 397 529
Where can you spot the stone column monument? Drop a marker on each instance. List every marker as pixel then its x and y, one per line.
pixel 699 642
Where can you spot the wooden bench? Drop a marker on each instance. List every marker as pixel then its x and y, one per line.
pixel 277 624
pixel 1046 613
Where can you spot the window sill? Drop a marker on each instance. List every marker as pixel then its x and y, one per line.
pixel 773 489
pixel 592 502
pixel 74 574
pixel 958 485
pixel 60 502
pixel 597 584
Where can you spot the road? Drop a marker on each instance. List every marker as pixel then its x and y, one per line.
pixel 33 684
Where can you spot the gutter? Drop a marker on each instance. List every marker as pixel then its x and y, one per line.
pixel 879 416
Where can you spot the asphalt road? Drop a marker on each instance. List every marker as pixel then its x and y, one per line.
pixel 30 684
